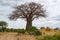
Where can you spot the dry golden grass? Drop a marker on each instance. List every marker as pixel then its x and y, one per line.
pixel 14 36
pixel 50 32
pixel 7 36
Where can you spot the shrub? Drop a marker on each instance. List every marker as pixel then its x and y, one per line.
pixel 33 28
pixel 11 30
pixel 37 33
pixel 0 29
pixel 34 31
pixel 7 30
pixel 42 28
pixel 21 31
pixel 56 29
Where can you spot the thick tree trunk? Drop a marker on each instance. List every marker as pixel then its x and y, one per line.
pixel 29 24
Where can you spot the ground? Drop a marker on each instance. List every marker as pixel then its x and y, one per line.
pixel 14 36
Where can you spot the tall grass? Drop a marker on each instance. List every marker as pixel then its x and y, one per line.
pixel 56 37
pixel 49 37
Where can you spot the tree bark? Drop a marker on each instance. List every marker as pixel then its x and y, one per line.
pixel 29 24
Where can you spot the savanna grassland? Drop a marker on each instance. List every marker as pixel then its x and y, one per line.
pixel 47 34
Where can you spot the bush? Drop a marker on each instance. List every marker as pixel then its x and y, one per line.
pixel 0 29
pixel 34 31
pixel 37 33
pixel 33 28
pixel 15 30
pixel 7 30
pixel 42 28
pixel 56 29
pixel 11 30
pixel 21 31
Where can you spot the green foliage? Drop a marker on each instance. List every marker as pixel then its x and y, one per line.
pixel 21 31
pixel 3 25
pixel 33 28
pixel 15 30
pixel 0 29
pixel 49 37
pixel 34 31
pixel 42 28
pixel 56 37
pixel 37 33
pixel 11 30
pixel 7 30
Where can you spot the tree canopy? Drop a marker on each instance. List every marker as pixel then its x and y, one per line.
pixel 3 23
pixel 29 12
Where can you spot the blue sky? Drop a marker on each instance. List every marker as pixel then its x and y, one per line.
pixel 52 7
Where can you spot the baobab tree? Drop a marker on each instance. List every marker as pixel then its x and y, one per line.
pixel 29 12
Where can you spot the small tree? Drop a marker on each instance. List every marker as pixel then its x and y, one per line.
pixel 3 25
pixel 29 12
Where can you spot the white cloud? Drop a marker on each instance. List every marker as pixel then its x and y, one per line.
pixel 52 7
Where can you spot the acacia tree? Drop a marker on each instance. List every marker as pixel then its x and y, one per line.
pixel 29 12
pixel 3 25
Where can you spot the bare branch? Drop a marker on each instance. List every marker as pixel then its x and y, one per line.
pixel 31 10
